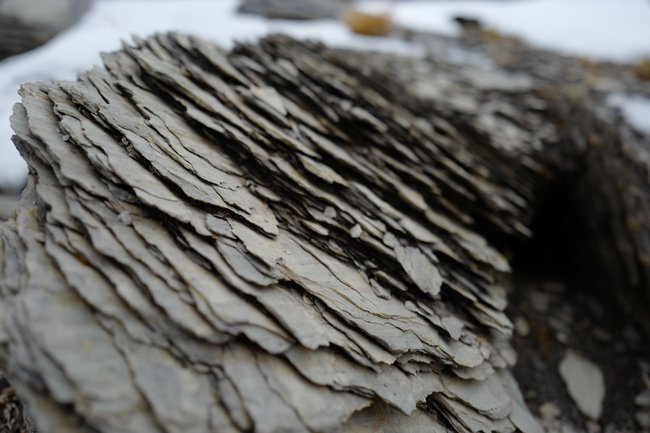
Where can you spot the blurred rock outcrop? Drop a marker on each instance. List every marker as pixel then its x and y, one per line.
pixel 295 9
pixel 26 24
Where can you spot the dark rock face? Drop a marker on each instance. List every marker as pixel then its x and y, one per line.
pixel 256 240
pixel 12 414
pixel 295 9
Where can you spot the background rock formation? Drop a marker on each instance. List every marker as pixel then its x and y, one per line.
pixel 26 24
pixel 295 10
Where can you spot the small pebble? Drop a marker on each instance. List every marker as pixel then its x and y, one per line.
pixel 558 323
pixel 632 336
pixel 595 308
pixel 562 337
pixel 643 419
pixel 522 328
pixel 643 399
pixel 602 335
pixel 549 410
pixel 645 373
pixel 585 382
pixel 564 312
pixel 330 212
pixel 567 428
pixel 593 427
pixel 530 394
pixel 540 301
pixel 555 287
pixel 125 218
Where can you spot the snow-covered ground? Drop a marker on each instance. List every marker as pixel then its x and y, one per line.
pixel 608 29
pixel 616 30
pixel 635 109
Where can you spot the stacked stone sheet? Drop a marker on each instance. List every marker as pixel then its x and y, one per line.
pixel 270 240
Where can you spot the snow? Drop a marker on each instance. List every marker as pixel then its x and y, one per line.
pixel 606 29
pixel 635 109
pixel 617 30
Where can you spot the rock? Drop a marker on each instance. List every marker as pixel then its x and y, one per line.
pixel 468 23
pixel 585 383
pixel 7 205
pixel 261 240
pixel 540 301
pixel 632 336
pixel 643 399
pixel 593 427
pixel 368 23
pixel 295 9
pixel 26 24
pixel 614 261
pixel 233 241
pixel 562 337
pixel 549 411
pixel 602 335
pixel 643 419
pixel 499 80
pixel 522 328
pixel 568 428
pixel 12 415
pixel 644 366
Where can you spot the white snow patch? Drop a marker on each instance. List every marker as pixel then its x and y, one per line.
pixel 635 109
pixel 616 30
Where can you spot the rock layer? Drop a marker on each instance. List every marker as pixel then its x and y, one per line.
pixel 273 239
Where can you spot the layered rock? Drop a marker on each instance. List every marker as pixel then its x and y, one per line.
pixel 273 239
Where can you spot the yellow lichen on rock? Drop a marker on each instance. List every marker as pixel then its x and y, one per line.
pixel 370 24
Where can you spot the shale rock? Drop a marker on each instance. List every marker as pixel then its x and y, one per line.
pixel 271 239
pixel 585 383
pixel 295 9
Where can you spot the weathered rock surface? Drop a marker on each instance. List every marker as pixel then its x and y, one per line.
pixel 295 9
pixel 605 215
pixel 236 241
pixel 279 238
pixel 7 204
pixel 12 413
pixel 585 383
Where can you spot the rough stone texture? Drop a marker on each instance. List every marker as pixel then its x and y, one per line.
pixel 605 184
pixel 295 9
pixel 585 383
pixel 7 204
pixel 235 241
pixel 12 413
